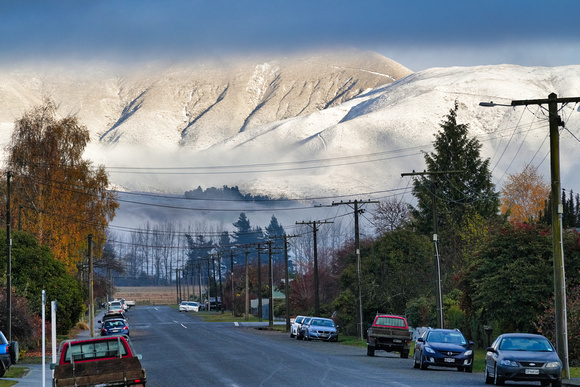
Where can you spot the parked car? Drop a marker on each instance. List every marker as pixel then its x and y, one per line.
pixel 8 354
pixel 184 306
pixel 295 327
pixel 320 329
pixel 115 307
pixel 522 357
pixel 115 327
pixel 389 333
pixel 189 306
pixel 443 348
pixel 193 306
pixel 305 322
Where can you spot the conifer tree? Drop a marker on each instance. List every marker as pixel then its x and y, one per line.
pixel 470 190
pixel 275 232
pixel 459 196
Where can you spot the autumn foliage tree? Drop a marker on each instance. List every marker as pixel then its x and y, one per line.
pixel 524 195
pixel 57 195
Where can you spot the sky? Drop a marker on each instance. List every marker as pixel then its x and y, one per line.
pixel 418 34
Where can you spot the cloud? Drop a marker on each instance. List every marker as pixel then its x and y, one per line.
pixel 148 29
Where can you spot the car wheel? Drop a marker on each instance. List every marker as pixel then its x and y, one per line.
pixel 404 354
pixel 14 352
pixel 291 335
pixel 2 373
pixel 423 365
pixel 497 380
pixel 415 363
pixel 488 379
pixel 370 351
pixel 557 383
pixel 298 336
pixel 468 369
pixel 307 337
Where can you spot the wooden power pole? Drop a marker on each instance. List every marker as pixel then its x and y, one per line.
pixel 316 287
pixel 558 254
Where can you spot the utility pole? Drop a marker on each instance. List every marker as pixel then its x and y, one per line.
pixel 233 288
pixel 286 279
pixel 259 284
pixel 271 282
pixel 8 260
pixel 558 253
pixel 316 287
pixel 177 286
pixel 91 296
pixel 357 252
pixel 440 320
pixel 247 311
pixel 220 277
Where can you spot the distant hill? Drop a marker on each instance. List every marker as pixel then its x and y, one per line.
pixel 326 125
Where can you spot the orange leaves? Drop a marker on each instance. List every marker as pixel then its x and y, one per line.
pixel 60 197
pixel 524 195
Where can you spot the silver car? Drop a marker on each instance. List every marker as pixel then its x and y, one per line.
pixel 320 329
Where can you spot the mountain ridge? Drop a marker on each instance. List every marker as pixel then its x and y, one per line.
pixel 355 133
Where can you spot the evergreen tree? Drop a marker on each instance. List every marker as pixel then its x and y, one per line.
pixel 246 235
pixel 242 234
pixel 275 232
pixel 459 196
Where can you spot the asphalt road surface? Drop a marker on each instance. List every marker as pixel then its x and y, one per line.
pixel 179 349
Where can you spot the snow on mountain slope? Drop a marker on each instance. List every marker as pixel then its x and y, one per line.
pixel 326 125
pixel 400 121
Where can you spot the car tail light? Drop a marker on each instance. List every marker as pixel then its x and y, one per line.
pixel 126 328
pixel 7 348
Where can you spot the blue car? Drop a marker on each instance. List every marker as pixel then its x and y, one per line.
pixel 443 348
pixel 8 354
pixel 115 327
pixel 523 357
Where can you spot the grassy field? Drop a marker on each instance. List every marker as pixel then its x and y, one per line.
pixel 148 295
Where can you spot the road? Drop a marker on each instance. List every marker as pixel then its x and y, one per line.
pixel 180 349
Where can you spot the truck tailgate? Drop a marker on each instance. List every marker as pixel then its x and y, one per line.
pixel 390 332
pixel 112 372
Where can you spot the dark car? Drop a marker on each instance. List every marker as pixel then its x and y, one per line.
pixel 443 348
pixel 522 357
pixel 8 354
pixel 115 327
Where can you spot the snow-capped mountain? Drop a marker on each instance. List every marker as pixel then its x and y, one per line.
pixel 316 126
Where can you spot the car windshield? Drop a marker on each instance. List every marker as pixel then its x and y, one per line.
pixel 447 337
pixel 322 322
pixel 526 344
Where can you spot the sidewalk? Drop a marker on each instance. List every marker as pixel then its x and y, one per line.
pixel 34 376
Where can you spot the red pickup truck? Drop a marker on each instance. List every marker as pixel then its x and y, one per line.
pixel 389 333
pixel 102 361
